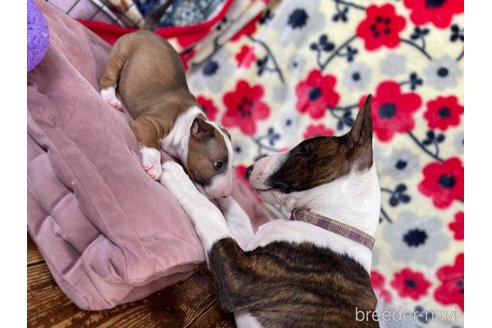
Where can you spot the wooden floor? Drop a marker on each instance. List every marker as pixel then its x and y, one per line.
pixel 189 303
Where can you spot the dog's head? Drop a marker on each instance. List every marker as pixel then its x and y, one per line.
pixel 293 179
pixel 209 160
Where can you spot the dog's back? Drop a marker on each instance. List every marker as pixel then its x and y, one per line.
pixel 287 285
pixel 149 72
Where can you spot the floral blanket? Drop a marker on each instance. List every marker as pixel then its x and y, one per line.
pixel 300 69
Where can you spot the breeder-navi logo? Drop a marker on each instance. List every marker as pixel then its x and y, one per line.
pixel 406 315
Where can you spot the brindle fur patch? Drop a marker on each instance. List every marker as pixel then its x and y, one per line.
pixel 320 160
pixel 287 285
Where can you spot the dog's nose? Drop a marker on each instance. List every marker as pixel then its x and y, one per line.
pixel 249 170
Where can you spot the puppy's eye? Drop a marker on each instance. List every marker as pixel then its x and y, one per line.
pixel 218 165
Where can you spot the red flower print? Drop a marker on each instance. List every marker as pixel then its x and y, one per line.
pixel 438 12
pixel 248 29
pixel 317 131
pixel 208 107
pixel 443 112
pixel 385 295
pixel 381 27
pixel 458 226
pixel 245 57
pixel 452 288
pixel 443 182
pixel 392 110
pixel 377 282
pixel 244 107
pixel 411 284
pixel 316 93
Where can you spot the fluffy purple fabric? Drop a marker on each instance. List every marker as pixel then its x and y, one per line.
pixel 37 35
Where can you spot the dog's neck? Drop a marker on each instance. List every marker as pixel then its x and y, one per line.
pixel 176 142
pixel 354 199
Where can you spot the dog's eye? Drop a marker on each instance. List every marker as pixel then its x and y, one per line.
pixel 218 165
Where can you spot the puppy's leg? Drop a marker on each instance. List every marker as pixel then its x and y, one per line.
pixel 237 220
pixel 147 135
pixel 238 274
pixel 209 222
pixel 109 79
pixel 109 96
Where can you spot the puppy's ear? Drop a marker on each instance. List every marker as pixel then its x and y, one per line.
pixel 226 133
pixel 361 132
pixel 201 129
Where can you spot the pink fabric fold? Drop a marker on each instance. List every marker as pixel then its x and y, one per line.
pixel 108 232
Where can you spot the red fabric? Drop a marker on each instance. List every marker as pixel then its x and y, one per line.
pixel 443 112
pixel 245 57
pixel 316 93
pixel 444 182
pixel 245 106
pixel 208 107
pixel 452 288
pixel 317 130
pixel 381 27
pixel 186 56
pixel 392 110
pixel 248 29
pixel 458 226
pixel 186 35
pixel 439 13
pixel 378 282
pixel 410 283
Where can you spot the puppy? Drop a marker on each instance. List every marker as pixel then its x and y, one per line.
pixel 311 271
pixel 151 82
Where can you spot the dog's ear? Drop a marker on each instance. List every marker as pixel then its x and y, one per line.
pixel 361 132
pixel 360 136
pixel 201 129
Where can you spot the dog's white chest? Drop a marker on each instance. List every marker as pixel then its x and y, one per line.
pixel 245 320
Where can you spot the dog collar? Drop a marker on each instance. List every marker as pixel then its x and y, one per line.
pixel 334 226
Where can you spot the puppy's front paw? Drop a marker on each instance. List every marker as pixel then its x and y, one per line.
pixel 109 96
pixel 180 185
pixel 115 103
pixel 151 162
pixel 154 170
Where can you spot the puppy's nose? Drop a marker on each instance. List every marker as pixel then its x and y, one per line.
pixel 249 170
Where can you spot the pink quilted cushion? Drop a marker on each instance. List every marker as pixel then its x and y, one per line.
pixel 108 232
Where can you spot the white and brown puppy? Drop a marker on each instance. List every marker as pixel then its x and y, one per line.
pixel 312 270
pixel 151 83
